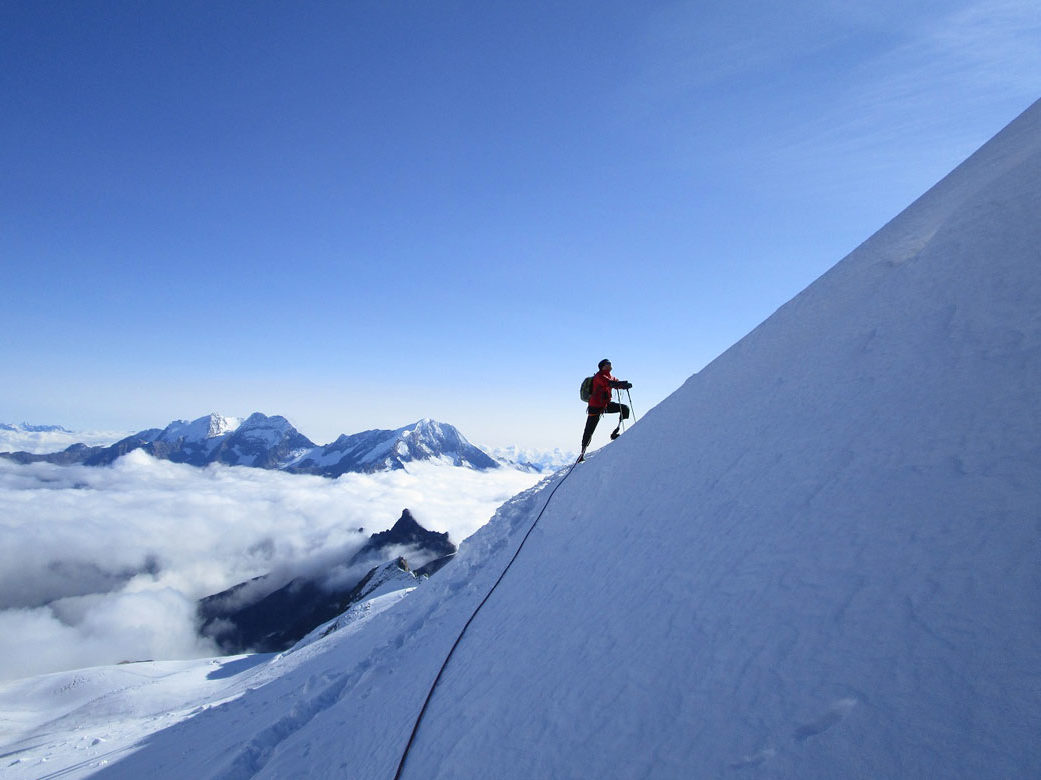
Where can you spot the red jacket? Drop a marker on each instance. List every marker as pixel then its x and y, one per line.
pixel 602 384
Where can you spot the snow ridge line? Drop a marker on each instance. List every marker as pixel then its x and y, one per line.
pixel 458 639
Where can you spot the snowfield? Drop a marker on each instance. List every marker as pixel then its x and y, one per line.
pixel 99 714
pixel 818 558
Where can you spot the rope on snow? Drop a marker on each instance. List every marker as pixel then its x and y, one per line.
pixel 441 671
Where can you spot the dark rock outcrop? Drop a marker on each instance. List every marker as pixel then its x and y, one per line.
pixel 274 620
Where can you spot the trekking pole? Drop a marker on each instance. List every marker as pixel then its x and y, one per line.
pixel 629 395
pixel 621 420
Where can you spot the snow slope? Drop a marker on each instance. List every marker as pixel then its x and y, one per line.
pixel 72 724
pixel 818 558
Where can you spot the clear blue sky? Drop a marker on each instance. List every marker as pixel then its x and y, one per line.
pixel 357 214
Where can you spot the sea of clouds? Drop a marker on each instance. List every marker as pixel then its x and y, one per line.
pixel 16 439
pixel 102 565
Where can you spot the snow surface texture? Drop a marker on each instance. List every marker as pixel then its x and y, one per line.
pixel 90 715
pixel 818 558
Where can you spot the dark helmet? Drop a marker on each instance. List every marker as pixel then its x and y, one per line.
pixel 602 363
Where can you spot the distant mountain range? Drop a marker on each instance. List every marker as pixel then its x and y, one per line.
pixel 273 443
pixel 27 428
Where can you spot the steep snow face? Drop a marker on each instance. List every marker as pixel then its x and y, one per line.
pixel 848 505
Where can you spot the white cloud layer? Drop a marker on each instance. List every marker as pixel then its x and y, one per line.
pixel 101 565
pixel 38 442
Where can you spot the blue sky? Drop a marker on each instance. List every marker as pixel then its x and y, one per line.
pixel 357 214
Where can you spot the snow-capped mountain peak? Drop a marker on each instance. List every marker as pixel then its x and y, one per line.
pixel 220 424
pixel 270 430
pixel 199 430
pixel 382 450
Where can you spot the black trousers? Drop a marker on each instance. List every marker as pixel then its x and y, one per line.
pixel 593 417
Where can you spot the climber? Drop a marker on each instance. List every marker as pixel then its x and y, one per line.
pixel 600 403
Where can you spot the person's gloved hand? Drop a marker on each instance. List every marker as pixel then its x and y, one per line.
pixel 626 385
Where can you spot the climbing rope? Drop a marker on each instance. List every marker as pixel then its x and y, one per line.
pixel 458 639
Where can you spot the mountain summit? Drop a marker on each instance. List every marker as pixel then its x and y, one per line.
pixel 380 450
